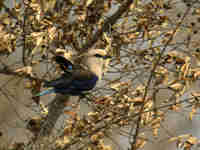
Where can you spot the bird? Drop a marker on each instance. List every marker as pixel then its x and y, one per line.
pixel 78 78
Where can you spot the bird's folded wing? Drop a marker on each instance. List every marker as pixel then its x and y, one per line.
pixel 85 80
pixel 80 79
pixel 61 82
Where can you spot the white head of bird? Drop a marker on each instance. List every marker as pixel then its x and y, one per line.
pixel 95 60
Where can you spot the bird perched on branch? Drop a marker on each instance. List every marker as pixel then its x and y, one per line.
pixel 78 78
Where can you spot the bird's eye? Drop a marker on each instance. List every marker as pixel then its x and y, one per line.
pixel 102 56
pixel 98 55
pixel 64 63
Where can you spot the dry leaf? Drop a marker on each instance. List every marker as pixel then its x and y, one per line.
pixel 192 140
pixel 193 112
pixel 67 54
pixel 39 41
pixel 117 85
pixel 89 2
pixel 155 132
pixel 195 94
pixel 197 74
pixel 177 86
pixel 136 99
pixel 173 139
pixel 25 70
pixel 52 32
pixel 140 143
pixel 62 142
pixel 70 113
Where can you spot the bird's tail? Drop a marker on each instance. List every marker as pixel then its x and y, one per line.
pixel 48 91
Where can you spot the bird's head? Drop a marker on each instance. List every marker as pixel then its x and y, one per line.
pixel 64 63
pixel 95 60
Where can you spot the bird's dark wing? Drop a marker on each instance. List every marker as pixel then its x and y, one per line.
pixel 84 80
pixel 65 64
pixel 74 83
pixel 61 82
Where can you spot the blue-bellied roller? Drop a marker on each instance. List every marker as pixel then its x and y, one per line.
pixel 78 78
